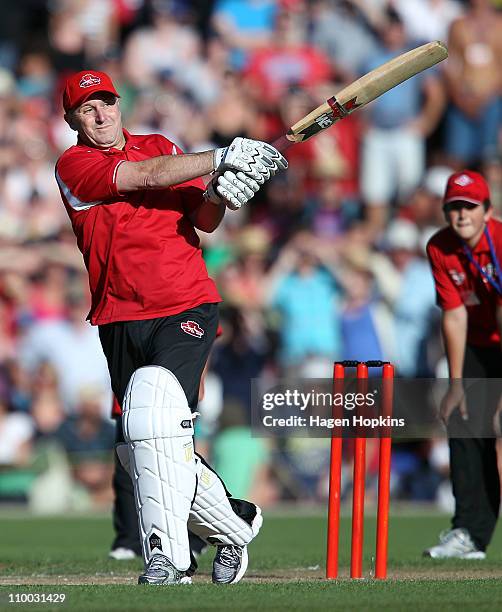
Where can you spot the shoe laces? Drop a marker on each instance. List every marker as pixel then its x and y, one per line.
pixel 453 534
pixel 230 555
pixel 157 563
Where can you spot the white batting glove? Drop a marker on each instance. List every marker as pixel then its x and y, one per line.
pixel 231 188
pixel 259 160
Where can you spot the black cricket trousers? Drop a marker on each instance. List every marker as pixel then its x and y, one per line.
pixel 473 460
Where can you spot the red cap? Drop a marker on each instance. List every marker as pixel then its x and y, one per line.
pixel 81 85
pixel 466 186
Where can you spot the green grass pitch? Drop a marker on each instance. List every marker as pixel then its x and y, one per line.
pixel 69 555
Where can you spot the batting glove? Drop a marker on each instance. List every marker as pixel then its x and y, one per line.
pixel 258 160
pixel 231 188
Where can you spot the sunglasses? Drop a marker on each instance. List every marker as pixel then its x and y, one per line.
pixel 458 205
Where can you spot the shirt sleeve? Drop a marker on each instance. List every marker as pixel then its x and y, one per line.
pixel 88 178
pixel 447 295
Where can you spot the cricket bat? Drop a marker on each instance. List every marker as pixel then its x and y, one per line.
pixel 364 90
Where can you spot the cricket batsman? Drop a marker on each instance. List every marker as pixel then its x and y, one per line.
pixel 465 260
pixel 134 204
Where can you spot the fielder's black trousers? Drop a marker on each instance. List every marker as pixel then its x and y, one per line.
pixel 473 460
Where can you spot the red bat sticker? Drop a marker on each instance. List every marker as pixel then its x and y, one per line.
pixel 339 110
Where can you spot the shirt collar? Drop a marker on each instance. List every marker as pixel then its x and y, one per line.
pixel 129 140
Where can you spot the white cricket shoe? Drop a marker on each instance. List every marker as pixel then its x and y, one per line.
pixel 160 570
pixel 230 564
pixel 231 561
pixel 122 554
pixel 455 544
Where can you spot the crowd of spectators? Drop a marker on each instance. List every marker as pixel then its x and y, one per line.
pixel 328 262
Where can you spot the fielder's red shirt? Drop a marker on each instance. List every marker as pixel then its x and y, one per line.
pixel 459 282
pixel 140 248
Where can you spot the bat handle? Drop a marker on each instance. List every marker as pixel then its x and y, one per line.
pixel 282 143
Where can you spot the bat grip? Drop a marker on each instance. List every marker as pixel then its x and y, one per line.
pixel 282 143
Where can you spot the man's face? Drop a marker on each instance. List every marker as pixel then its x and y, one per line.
pixel 467 220
pixel 98 121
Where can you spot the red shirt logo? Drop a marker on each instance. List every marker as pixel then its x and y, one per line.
pixel 457 277
pixel 192 328
pixel 88 80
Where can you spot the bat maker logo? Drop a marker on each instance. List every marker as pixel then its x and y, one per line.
pixel 192 328
pixel 324 120
pixel 88 80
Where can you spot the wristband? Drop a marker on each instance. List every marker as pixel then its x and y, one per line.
pixel 212 196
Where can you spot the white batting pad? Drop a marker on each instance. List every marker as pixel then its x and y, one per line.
pixel 158 428
pixel 212 517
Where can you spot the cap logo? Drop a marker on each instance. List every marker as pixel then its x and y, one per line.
pixel 88 80
pixel 463 180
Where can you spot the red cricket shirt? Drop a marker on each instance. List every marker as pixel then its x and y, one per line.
pixel 140 248
pixel 459 282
